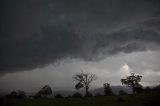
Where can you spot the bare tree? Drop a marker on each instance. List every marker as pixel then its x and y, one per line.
pixel 132 81
pixel 84 80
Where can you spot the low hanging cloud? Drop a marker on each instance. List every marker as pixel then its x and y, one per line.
pixel 37 33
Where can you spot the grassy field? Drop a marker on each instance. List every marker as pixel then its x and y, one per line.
pixel 152 99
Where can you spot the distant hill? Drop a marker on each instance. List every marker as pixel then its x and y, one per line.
pixel 115 90
pixel 64 93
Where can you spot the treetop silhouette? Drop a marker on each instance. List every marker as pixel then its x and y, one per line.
pixel 132 81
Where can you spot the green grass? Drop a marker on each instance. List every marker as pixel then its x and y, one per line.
pixel 151 99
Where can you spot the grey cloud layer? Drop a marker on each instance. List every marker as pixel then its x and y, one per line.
pixel 37 33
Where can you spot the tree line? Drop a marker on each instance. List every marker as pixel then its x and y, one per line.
pixel 84 80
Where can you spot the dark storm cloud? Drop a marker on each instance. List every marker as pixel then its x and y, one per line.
pixel 35 33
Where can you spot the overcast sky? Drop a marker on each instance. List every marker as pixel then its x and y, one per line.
pixel 48 41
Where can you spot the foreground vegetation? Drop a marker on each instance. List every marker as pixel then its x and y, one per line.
pixel 143 99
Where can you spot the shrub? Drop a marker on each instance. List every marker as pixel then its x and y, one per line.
pixel 121 93
pixel 89 94
pixel 58 96
pixel 77 95
pixel 18 94
pixel 98 95
pixel 147 89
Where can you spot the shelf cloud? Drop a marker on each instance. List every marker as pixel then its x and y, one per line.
pixel 38 33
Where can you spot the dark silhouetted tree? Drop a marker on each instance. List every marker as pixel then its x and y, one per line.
pixel 45 91
pixel 132 81
pixel 107 89
pixel 84 80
